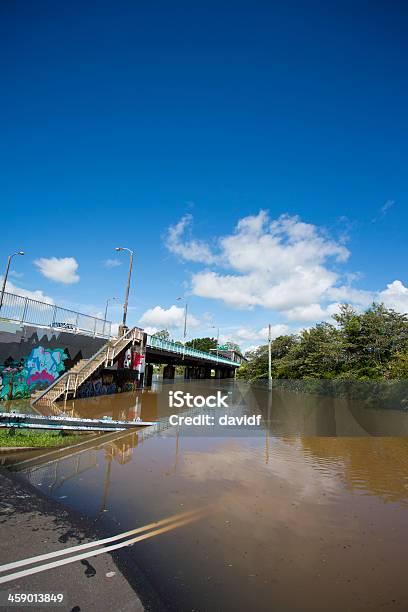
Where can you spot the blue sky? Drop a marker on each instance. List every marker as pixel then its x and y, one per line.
pixel 122 120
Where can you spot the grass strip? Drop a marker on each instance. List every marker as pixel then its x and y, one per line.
pixel 35 438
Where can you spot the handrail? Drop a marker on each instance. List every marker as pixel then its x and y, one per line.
pixel 27 310
pixel 129 331
pixel 181 349
pixel 53 384
pixel 69 376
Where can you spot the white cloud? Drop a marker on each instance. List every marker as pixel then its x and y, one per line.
pixel 151 330
pixel 395 296
pixel 283 264
pixel 312 313
pixel 161 318
pixel 251 347
pixel 16 274
pixel 191 250
pixel 61 270
pixel 247 334
pixel 33 295
pixel 277 264
pixel 111 263
pixel 114 329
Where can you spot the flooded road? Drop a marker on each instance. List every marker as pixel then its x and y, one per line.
pixel 309 512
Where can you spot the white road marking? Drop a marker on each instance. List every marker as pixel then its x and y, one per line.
pixel 79 547
pixel 100 551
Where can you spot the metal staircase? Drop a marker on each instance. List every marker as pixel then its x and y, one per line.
pixel 68 383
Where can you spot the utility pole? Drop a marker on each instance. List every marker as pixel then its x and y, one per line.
pixel 269 357
pixel 185 322
pixel 218 336
pixel 125 305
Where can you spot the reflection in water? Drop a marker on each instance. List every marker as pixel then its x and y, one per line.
pixel 310 513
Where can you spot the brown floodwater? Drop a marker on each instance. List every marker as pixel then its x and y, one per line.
pixel 307 512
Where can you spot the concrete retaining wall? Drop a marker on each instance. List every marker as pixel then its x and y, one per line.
pixel 33 357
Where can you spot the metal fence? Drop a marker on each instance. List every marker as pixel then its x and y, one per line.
pixel 26 310
pixel 173 347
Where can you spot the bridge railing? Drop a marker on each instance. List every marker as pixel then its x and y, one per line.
pixel 173 347
pixel 25 310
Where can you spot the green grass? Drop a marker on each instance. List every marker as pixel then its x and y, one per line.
pixel 40 439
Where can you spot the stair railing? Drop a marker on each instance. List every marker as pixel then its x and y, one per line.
pixel 132 335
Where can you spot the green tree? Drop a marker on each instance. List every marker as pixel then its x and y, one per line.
pixel 258 359
pixel 232 346
pixel 316 354
pixel 371 339
pixel 202 344
pixel 398 366
pixel 164 334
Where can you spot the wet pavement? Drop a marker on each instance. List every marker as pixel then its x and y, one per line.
pixel 31 525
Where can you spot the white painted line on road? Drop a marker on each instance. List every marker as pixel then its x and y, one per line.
pixel 100 551
pixel 79 547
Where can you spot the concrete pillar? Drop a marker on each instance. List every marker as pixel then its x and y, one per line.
pixel 168 372
pixel 122 330
pixel 148 375
pixel 186 373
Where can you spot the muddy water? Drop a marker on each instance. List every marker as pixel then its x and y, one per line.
pixel 308 513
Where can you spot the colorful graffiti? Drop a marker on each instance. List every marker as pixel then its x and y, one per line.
pixel 103 385
pixel 44 365
pixel 38 370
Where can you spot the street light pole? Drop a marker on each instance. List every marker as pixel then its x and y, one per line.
pixel 269 357
pixel 125 305
pixel 218 336
pixel 185 324
pixel 111 299
pixel 3 289
pixel 185 317
pixel 106 311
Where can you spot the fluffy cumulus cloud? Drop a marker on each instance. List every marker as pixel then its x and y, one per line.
pixel 161 318
pixel 395 296
pixel 61 270
pixel 188 249
pixel 279 264
pixel 37 295
pixel 246 334
pixel 284 265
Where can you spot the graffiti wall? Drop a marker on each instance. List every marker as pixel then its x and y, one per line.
pixel 108 382
pixel 103 384
pixel 32 358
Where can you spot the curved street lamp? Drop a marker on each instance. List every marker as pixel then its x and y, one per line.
pixel 185 316
pixel 9 258
pixel 125 305
pixel 218 336
pixel 111 299
pixel 108 301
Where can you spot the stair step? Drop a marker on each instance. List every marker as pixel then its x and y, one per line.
pixel 83 369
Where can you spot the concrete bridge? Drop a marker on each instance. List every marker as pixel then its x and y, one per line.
pixel 197 364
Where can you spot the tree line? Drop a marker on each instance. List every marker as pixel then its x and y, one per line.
pixel 372 345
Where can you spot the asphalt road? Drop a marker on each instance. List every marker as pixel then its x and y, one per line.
pixel 31 524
